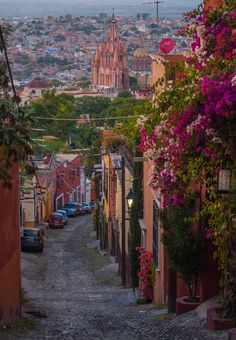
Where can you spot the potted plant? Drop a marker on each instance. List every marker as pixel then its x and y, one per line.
pixel 184 246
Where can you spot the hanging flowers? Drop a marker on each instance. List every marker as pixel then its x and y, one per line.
pixel 190 139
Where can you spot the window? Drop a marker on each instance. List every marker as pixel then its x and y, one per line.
pixel 155 233
pixel 106 184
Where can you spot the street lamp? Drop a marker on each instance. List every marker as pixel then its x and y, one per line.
pixel 130 199
pixel 224 181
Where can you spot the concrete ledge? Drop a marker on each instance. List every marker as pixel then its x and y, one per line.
pixel 215 322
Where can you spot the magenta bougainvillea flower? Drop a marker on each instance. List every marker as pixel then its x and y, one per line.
pixel 191 128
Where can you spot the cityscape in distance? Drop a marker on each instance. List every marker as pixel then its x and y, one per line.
pixel 61 49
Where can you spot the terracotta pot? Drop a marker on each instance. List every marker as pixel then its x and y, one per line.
pixel 232 334
pixel 184 306
pixel 216 322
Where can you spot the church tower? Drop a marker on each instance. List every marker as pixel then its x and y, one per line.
pixel 110 64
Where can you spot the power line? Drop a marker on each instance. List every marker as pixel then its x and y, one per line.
pixel 85 121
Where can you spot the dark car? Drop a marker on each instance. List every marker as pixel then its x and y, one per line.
pixel 92 204
pixel 55 220
pixel 32 238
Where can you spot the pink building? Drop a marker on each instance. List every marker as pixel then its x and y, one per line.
pixel 151 240
pixel 110 65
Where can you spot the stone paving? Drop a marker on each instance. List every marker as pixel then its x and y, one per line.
pixel 68 296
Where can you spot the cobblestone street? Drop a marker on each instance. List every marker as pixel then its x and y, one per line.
pixel 74 303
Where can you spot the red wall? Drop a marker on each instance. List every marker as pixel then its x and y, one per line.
pixel 68 178
pixel 10 282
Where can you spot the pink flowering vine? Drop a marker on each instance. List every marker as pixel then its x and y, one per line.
pixel 199 110
pixel 145 274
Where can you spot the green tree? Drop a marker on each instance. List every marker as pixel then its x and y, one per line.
pixel 133 84
pixel 85 135
pixel 124 94
pixel 55 106
pixel 122 107
pixel 92 106
pixel 15 124
pixel 183 244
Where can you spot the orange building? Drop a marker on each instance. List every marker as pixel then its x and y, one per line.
pixel 10 282
pixel 151 231
pixel 110 65
pixel 161 67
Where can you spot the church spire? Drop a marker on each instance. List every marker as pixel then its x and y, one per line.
pixel 113 35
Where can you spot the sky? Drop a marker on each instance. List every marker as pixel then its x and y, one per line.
pixel 39 8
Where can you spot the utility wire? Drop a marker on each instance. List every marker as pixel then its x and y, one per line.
pixel 85 121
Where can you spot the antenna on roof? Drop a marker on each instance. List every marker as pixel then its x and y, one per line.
pixel 157 2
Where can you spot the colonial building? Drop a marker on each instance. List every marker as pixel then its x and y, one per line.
pixel 34 89
pixel 68 180
pixel 110 65
pixel 141 65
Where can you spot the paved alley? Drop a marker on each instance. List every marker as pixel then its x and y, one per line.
pixel 72 303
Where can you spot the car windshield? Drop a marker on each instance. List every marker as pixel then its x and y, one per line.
pixel 62 212
pixel 31 233
pixel 85 204
pixel 70 205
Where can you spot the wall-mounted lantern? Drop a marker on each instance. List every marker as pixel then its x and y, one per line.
pixel 130 199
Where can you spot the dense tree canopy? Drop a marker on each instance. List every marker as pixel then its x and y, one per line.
pixel 65 106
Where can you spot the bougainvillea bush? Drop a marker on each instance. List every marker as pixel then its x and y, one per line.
pixel 193 129
pixel 146 274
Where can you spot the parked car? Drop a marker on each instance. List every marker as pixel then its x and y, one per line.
pixel 92 204
pixel 82 210
pixel 55 220
pixel 64 215
pixel 72 209
pixel 32 238
pixel 87 207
